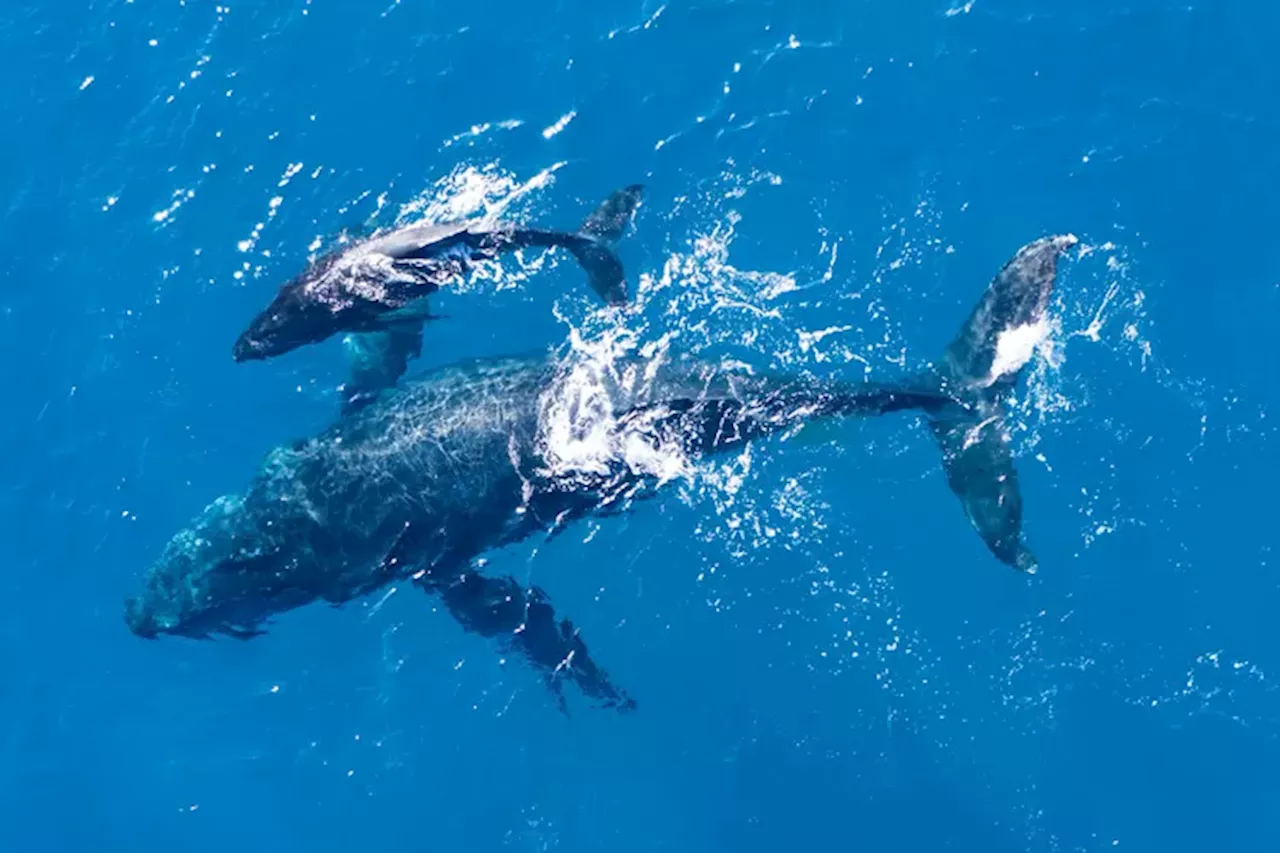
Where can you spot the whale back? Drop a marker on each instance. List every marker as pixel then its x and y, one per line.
pixel 413 240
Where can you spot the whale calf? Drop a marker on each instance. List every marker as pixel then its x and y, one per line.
pixel 468 458
pixel 378 283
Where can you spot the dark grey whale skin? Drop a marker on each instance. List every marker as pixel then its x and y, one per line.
pixel 429 476
pixel 420 483
pixel 378 285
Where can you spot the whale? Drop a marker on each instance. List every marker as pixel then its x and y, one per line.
pixel 421 484
pixel 380 282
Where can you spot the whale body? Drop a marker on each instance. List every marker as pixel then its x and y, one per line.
pixel 379 284
pixel 468 458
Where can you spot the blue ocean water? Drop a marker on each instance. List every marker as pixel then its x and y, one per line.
pixel 823 653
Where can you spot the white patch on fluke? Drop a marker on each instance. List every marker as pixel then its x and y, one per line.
pixel 1014 348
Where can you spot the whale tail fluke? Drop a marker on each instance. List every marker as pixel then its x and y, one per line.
pixel 997 340
pixel 598 235
pixel 979 369
pixel 609 221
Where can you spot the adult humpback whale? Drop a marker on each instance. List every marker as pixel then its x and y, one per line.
pixel 379 282
pixel 471 457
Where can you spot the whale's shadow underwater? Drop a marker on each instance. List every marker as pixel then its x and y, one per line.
pixel 420 479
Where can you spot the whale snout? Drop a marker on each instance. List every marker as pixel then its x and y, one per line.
pixel 270 335
pixel 140 618
pixel 246 350
pixel 250 348
pixel 287 324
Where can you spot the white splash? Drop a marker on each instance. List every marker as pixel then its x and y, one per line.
pixel 648 24
pixel 477 130
pixel 289 173
pixel 560 124
pixel 180 197
pixel 578 431
pixel 273 207
pixel 473 192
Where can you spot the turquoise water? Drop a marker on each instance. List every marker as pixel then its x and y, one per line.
pixel 823 653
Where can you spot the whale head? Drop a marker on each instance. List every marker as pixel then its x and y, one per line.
pixel 293 319
pixel 226 573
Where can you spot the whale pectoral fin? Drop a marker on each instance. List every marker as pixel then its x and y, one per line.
pixel 377 360
pixel 978 462
pixel 524 621
pixel 584 671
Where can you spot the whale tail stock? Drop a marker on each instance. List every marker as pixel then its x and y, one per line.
pixel 979 369
pixel 962 399
pixel 594 244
